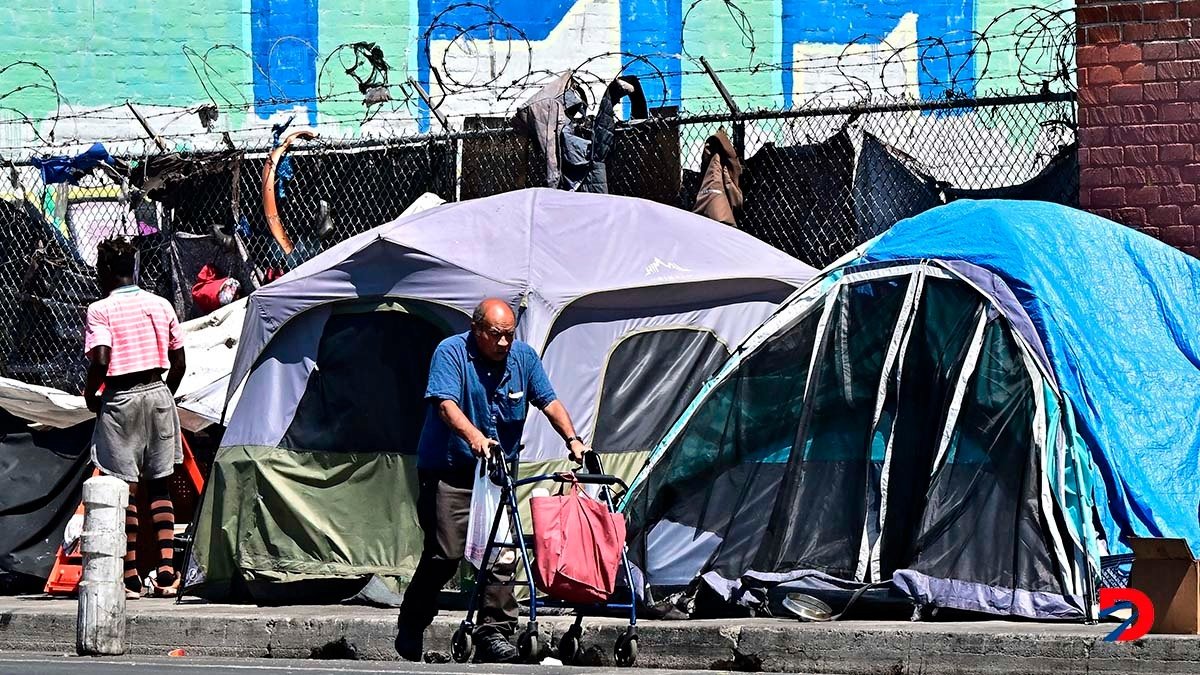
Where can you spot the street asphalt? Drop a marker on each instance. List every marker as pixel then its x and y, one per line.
pixel 41 664
pixel 246 638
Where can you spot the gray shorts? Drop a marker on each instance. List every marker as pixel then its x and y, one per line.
pixel 137 433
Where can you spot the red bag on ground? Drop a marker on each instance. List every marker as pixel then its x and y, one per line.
pixel 577 546
pixel 212 290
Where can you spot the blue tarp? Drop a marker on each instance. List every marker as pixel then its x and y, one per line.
pixel 1119 316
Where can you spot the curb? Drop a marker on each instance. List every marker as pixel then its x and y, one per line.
pixel 769 645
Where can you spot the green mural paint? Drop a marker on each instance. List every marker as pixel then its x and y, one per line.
pixel 711 31
pixel 388 23
pixel 102 52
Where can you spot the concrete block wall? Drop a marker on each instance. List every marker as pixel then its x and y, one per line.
pixel 1139 115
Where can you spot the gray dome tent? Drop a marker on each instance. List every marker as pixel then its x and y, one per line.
pixel 631 304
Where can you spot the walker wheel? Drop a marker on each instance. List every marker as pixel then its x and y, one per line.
pixel 462 647
pixel 529 646
pixel 568 645
pixel 626 649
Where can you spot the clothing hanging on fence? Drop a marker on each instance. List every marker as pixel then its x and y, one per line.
pixel 888 188
pixel 542 117
pixel 720 190
pixel 576 150
pixel 603 131
pixel 798 198
pixel 1057 182
pixel 64 169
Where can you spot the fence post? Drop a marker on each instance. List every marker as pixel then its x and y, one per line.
pixel 441 117
pixel 739 126
pixel 162 145
pixel 100 622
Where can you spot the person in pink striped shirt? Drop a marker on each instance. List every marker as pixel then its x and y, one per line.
pixel 132 338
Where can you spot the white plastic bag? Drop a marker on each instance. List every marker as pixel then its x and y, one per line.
pixel 485 499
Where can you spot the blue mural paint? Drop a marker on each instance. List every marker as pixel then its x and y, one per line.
pixel 650 27
pixel 284 44
pixel 842 21
pixel 533 19
pixel 654 29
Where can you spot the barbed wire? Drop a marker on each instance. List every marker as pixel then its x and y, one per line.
pixel 1033 45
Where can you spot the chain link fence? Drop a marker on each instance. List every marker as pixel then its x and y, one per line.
pixel 816 183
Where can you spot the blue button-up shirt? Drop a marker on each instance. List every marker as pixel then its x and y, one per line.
pixel 494 397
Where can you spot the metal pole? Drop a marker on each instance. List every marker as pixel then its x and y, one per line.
pixel 739 126
pixel 441 117
pixel 162 145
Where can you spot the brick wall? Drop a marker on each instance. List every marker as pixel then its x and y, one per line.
pixel 1139 115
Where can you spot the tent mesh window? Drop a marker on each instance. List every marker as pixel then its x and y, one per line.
pixel 712 480
pixel 989 483
pixel 648 380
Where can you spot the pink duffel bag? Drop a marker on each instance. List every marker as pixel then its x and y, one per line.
pixel 577 546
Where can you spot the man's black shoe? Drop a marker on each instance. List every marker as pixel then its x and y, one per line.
pixel 410 643
pixel 493 647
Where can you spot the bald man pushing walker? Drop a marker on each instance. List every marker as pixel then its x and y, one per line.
pixel 481 384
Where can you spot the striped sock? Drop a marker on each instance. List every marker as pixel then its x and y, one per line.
pixel 132 580
pixel 163 513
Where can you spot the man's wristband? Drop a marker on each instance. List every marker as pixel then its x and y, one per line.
pixel 574 438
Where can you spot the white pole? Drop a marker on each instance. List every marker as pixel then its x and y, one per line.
pixel 100 628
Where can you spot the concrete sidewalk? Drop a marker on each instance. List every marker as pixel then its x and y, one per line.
pixel 34 623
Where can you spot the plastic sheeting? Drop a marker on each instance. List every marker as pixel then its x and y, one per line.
pixel 1119 315
pixel 41 478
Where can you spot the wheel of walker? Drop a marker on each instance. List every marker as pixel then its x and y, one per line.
pixel 626 649
pixel 529 647
pixel 462 646
pixel 568 645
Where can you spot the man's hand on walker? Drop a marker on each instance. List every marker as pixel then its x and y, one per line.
pixel 577 448
pixel 482 446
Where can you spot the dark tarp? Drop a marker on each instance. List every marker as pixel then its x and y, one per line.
pixel 1057 182
pixel 45 289
pixel 799 199
pixel 888 189
pixel 496 162
pixel 41 480
pixel 170 264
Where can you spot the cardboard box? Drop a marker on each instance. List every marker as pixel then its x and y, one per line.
pixel 1167 572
